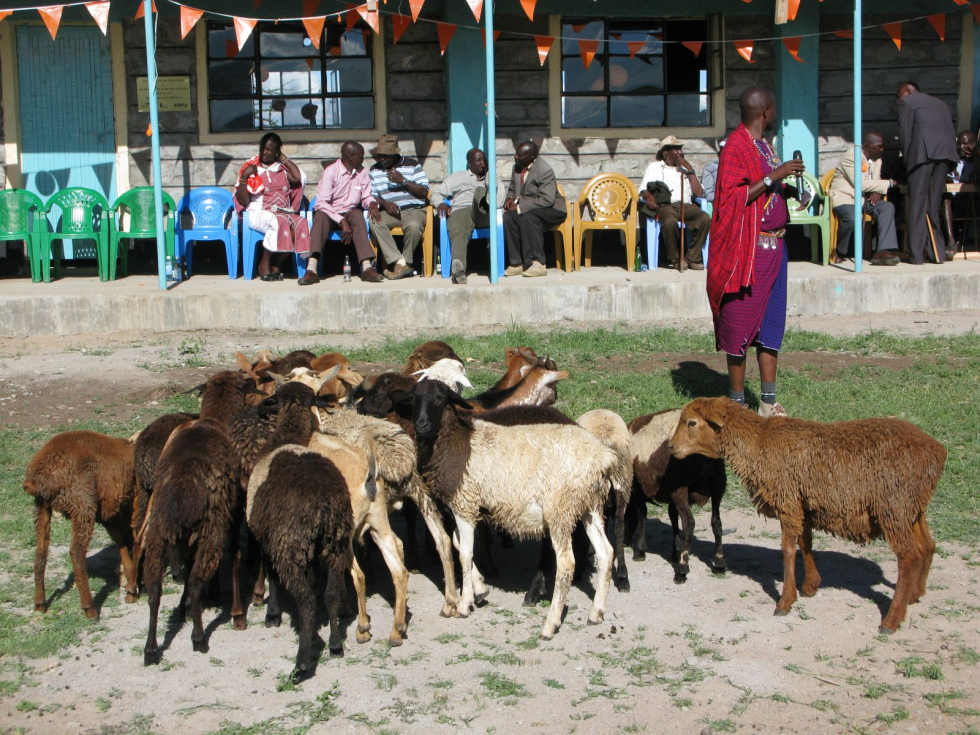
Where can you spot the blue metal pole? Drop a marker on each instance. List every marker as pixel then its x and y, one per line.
pixel 151 77
pixel 491 143
pixel 858 197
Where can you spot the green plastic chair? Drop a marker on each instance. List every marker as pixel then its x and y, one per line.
pixel 819 213
pixel 20 219
pixel 142 225
pixel 79 221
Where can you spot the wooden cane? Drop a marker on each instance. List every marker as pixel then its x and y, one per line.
pixel 932 239
pixel 682 262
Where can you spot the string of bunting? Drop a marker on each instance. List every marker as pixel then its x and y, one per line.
pixel 371 15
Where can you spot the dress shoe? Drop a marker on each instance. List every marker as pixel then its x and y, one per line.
pixel 885 257
pixel 370 275
pixel 535 270
pixel 309 278
pixel 513 270
pixel 696 266
pixel 400 271
pixel 950 253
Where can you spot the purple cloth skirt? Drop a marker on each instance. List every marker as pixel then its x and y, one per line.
pixel 756 315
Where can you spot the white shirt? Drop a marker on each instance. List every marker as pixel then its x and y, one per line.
pixel 670 175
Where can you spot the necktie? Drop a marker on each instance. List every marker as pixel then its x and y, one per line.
pixel 523 176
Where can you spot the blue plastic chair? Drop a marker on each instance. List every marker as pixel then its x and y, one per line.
pixel 480 233
pixel 653 238
pixel 335 234
pixel 252 238
pixel 209 206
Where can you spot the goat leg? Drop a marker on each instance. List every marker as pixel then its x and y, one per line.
pixel 82 526
pixel 679 499
pixel 433 522
pixel 360 586
pixel 153 579
pixel 42 530
pixel 811 577
pixel 620 573
pixel 561 540
pixel 638 534
pixel 718 564
pixel 237 611
pixel 391 550
pixel 595 528
pixel 258 590
pixel 786 600
pixel 332 600
pixel 481 550
pixel 119 538
pixel 294 578
pixel 413 556
pixel 273 614
pixel 465 530
pixel 538 588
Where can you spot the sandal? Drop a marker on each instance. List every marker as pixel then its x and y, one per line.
pixel 271 277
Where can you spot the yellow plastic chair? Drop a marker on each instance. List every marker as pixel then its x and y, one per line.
pixel 611 199
pixel 566 231
pixel 834 219
pixel 427 239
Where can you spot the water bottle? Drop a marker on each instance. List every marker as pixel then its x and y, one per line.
pixel 169 269
pixel 346 269
pixel 178 270
pixel 438 267
pixel 638 261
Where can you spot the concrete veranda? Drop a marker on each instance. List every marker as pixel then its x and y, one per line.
pixel 79 303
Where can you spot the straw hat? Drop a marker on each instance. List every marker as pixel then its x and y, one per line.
pixel 670 141
pixel 387 146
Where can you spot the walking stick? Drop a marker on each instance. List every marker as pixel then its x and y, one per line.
pixel 932 238
pixel 682 262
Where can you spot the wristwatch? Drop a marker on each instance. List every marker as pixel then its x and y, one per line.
pixel 767 181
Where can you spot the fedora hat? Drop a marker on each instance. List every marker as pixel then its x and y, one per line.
pixel 387 146
pixel 670 141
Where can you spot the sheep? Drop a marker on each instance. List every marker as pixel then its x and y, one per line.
pixel 197 505
pixel 88 477
pixel 266 363
pixel 428 353
pixel 528 479
pixel 518 361
pixel 535 388
pixel 674 482
pixel 810 475
pixel 448 371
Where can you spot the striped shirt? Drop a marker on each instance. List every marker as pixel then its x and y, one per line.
pixel 383 188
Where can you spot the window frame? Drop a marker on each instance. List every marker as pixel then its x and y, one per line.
pixel 300 135
pixel 716 91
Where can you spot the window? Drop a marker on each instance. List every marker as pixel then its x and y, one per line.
pixel 280 80
pixel 660 85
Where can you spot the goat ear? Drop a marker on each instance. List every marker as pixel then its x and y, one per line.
pixel 280 381
pixel 509 352
pixel 243 363
pixel 528 354
pixel 197 388
pixel 456 398
pixel 251 388
pixel 329 374
pixel 713 416
pixel 400 397
pixel 549 363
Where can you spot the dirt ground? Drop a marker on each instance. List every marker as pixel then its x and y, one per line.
pixel 725 665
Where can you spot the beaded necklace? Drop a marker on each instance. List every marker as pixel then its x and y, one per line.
pixel 767 152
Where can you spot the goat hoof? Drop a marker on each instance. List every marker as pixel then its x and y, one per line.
pixel 448 610
pixel 273 621
pixel 885 631
pixel 200 646
pixel 131 597
pixel 718 566
pixel 41 608
pixel 91 613
pixel 547 636
pixel 639 556
pixel 623 585
pixel 394 640
pixel 239 622
pixel 780 613
pixel 300 673
pixel 680 577
pixel 363 636
pixel 151 658
pixel 598 619
pixel 337 652
pixel 258 599
pixel 807 593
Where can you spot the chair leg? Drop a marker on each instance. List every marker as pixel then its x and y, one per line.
pixel 825 237
pixel 34 256
pixel 587 257
pixel 187 253
pixel 231 255
pixel 124 257
pixel 111 250
pixel 45 263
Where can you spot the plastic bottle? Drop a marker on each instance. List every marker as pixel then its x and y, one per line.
pixel 347 270
pixel 178 270
pixel 169 269
pixel 438 266
pixel 638 261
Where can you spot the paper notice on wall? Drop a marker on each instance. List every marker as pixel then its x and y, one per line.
pixel 173 94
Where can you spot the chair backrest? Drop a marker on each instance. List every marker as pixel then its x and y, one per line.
pixel 609 197
pixel 208 205
pixel 825 181
pixel 16 206
pixel 82 209
pixel 139 203
pixel 817 192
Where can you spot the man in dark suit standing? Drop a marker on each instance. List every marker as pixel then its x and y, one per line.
pixel 928 141
pixel 532 208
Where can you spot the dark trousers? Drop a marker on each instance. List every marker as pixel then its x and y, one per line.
pixel 524 234
pixel 461 224
pixel 322 226
pixel 696 220
pixel 927 182
pixel 883 213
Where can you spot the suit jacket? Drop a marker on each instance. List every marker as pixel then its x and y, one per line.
pixel 842 185
pixel 540 190
pixel 925 130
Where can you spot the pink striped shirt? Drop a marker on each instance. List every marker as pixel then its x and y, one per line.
pixel 341 190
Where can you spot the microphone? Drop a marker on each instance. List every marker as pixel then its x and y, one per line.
pixel 797 156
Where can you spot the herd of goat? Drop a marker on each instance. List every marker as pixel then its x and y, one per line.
pixel 301 457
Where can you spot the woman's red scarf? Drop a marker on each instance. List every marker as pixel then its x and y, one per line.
pixel 254 183
pixel 735 224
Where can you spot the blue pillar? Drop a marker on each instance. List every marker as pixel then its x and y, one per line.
pixel 151 75
pixel 796 88
pixel 858 134
pixel 465 86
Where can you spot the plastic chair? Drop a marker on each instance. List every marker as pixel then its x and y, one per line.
pixel 209 207
pixel 20 220
pixel 83 217
pixel 564 258
pixel 653 237
pixel 427 241
pixel 479 233
pixel 335 234
pixel 251 239
pixel 835 220
pixel 611 198
pixel 818 213
pixel 142 224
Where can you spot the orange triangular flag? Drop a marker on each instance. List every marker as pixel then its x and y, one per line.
pixel 894 30
pixel 634 47
pixel 149 129
pixel 370 17
pixel 587 49
pixel 792 9
pixel 616 36
pixel 257 4
pixel 100 13
pixel 231 50
pixel 139 10
pixel 744 49
pixel 309 8
pixel 188 19
pixel 483 32
pixel 314 29
pixel 528 6
pixel 477 7
pixel 243 29
pixel 5 13
pixel 577 27
pixel 975 9
pixel 351 16
pixel 693 46
pixel 310 63
pixel 844 34
pixel 938 21
pixel 962 2
pixel 51 15
pixel 793 46
pixel 544 44
pixel 446 31
pixel 416 6
pixel 400 24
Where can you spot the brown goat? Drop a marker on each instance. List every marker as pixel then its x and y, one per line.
pixel 86 476
pixel 810 475
pixel 428 353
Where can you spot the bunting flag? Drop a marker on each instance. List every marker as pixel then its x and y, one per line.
pixel 577 27
pixel 744 49
pixel 975 9
pixel 51 15
pixel 477 7
pixel 528 6
pixel 243 29
pixel 257 4
pixel 848 33
pixel 188 19
pixel 370 17
pixel 139 10
pixel 792 45
pixel 310 63
pixel 314 29
pixel 962 2
pixel 149 129
pixel 587 49
pixel 634 47
pixel 446 31
pixel 351 16
pixel 894 30
pixel 693 46
pixel 231 50
pixel 938 21
pixel 100 14
pixel 416 6
pixel 544 44
pixel 5 13
pixel 792 9
pixel 309 7
pixel 400 23
pixel 483 32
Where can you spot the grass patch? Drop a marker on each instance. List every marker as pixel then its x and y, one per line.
pixel 917 666
pixel 498 686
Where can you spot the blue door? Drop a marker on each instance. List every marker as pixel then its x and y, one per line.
pixel 66 121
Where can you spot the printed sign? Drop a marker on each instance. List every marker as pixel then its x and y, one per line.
pixel 173 94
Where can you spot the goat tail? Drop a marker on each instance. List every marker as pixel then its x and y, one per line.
pixel 146 520
pixel 371 483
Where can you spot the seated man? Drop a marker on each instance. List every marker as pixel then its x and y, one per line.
pixel 470 209
pixel 400 187
pixel 670 168
pixel 531 208
pixel 341 198
pixel 966 143
pixel 709 174
pixel 874 188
